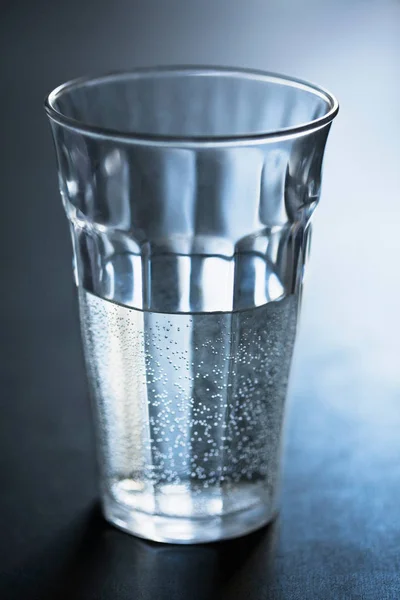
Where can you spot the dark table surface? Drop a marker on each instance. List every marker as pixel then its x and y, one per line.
pixel 338 534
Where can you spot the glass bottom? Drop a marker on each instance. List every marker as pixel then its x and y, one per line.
pixel 181 530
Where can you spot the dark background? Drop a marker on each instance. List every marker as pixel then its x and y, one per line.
pixel 338 535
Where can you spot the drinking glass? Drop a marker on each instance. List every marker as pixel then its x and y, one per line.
pixel 189 193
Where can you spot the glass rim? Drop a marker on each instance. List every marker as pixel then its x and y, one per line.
pixel 182 140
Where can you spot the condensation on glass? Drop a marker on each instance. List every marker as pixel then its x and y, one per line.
pixel 189 193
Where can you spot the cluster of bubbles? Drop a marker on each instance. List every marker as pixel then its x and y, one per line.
pixel 189 400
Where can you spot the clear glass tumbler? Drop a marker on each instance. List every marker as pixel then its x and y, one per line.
pixel 189 193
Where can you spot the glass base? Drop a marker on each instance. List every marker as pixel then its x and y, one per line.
pixel 181 530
